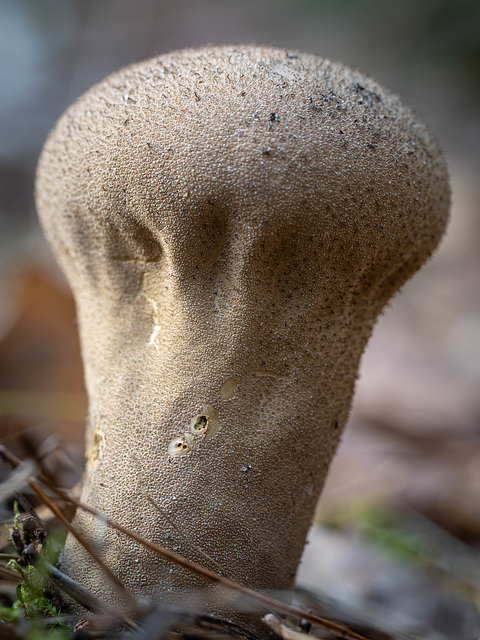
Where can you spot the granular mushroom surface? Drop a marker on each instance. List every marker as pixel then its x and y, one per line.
pixel 231 220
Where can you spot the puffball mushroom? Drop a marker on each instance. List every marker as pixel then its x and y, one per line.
pixel 232 220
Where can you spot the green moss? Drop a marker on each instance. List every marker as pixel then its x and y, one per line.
pixel 34 600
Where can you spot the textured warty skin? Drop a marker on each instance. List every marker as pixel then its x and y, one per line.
pixel 231 220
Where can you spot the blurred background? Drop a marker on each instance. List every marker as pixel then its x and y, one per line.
pixel 398 527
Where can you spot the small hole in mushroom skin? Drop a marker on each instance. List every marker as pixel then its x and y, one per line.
pixel 205 424
pixel 180 446
pixel 200 425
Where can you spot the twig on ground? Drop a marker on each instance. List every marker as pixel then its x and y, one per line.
pixel 274 622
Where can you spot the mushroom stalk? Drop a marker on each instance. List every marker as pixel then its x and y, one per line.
pixel 231 220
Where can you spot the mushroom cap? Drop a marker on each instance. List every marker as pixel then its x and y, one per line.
pixel 262 140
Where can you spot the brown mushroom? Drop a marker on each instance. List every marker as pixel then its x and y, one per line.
pixel 232 220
